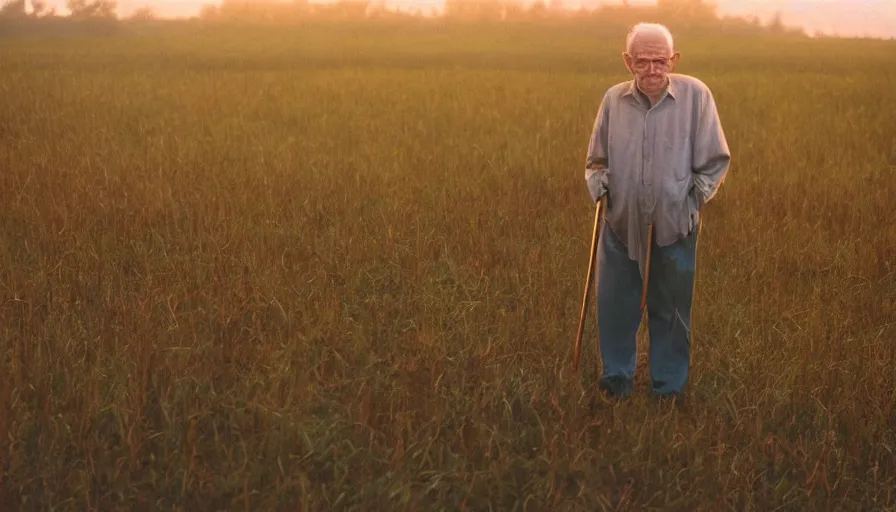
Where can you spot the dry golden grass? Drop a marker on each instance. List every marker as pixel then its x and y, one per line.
pixel 309 270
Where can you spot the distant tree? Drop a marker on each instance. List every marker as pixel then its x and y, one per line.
pixel 268 11
pixel 40 9
pixel 481 10
pixel 346 9
pixel 376 8
pixel 538 9
pixel 690 11
pixel 776 24
pixel 143 14
pixel 209 12
pixel 13 9
pixel 92 9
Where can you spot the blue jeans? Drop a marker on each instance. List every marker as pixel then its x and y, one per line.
pixel 669 295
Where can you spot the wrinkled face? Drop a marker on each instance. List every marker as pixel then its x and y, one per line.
pixel 650 61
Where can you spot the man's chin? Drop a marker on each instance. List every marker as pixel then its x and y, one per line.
pixel 651 87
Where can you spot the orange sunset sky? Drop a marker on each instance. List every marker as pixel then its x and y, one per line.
pixel 873 18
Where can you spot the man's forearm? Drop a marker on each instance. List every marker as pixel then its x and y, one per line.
pixel 596 160
pixel 712 156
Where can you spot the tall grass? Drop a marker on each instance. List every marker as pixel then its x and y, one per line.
pixel 324 270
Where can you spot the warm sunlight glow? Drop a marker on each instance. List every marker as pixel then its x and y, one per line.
pixel 874 18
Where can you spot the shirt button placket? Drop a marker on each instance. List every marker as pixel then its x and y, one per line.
pixel 646 178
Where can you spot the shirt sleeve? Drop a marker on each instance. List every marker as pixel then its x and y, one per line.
pixel 596 160
pixel 712 157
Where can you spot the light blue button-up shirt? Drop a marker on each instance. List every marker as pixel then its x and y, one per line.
pixel 657 164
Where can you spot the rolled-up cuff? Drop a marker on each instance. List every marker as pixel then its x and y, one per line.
pixel 597 183
pixel 697 197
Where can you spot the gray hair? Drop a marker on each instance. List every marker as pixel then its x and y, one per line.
pixel 654 29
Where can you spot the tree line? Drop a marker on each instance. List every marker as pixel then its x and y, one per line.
pixel 679 14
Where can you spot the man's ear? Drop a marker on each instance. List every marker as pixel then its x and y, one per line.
pixel 627 59
pixel 676 58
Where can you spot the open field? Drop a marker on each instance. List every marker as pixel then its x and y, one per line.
pixel 334 269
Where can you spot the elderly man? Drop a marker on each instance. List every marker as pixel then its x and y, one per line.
pixel 658 154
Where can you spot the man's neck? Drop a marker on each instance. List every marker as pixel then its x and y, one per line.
pixel 654 98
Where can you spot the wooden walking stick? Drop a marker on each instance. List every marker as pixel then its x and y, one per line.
pixel 588 281
pixel 647 266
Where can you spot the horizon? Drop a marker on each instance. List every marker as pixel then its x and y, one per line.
pixel 844 18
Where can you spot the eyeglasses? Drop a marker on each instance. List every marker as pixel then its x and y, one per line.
pixel 661 63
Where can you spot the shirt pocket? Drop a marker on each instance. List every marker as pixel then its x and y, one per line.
pixel 677 152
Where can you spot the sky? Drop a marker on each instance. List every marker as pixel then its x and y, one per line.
pixel 871 18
